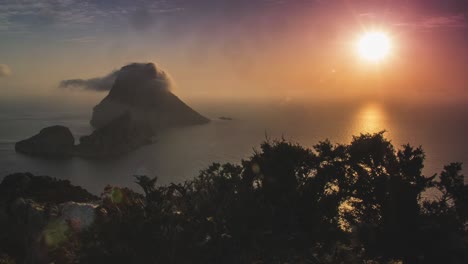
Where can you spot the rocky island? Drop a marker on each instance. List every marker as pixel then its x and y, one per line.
pixel 139 104
pixel 145 91
pixel 51 141
pixel 120 136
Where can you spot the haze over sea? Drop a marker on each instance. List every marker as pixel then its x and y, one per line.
pixel 179 154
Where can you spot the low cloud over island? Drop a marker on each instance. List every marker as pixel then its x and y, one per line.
pixel 94 84
pixel 160 79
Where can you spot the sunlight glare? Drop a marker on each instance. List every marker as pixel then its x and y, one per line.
pixel 370 119
pixel 373 46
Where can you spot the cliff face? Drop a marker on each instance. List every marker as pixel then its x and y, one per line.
pixel 144 91
pixel 120 136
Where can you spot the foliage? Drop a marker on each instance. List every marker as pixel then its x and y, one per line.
pixel 362 202
pixel 41 189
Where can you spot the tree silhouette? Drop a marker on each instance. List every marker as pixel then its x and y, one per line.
pixel 362 202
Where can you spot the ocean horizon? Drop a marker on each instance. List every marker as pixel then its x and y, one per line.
pixel 180 153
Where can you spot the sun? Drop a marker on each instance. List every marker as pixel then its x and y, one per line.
pixel 374 46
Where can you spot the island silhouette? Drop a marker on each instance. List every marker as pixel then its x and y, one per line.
pixel 139 105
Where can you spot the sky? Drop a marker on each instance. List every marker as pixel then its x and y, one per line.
pixel 239 48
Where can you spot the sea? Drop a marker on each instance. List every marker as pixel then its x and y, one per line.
pixel 179 154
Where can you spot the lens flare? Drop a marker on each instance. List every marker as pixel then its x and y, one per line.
pixel 374 46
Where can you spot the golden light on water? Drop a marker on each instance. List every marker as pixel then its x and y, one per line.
pixel 370 119
pixel 374 46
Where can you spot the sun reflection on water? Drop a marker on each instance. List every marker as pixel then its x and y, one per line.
pixel 370 119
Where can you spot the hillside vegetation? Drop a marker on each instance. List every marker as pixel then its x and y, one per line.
pixel 363 202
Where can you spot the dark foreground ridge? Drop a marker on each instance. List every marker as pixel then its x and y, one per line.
pixel 139 105
pixel 357 203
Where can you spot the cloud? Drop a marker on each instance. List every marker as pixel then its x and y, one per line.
pixel 29 15
pixel 95 84
pixel 440 7
pixel 146 75
pixel 134 74
pixel 434 22
pixel 445 21
pixel 147 14
pixel 85 39
pixel 4 70
pixel 20 15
